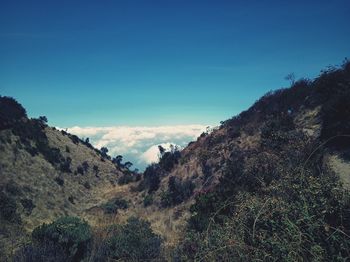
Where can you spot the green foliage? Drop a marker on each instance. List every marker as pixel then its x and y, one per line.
pixel 28 205
pixel 70 234
pixel 85 166
pixel 65 166
pixel 8 209
pixel 74 139
pixel 59 181
pixel 80 170
pixel 147 200
pixel 126 178
pixel 45 252
pixel 87 185
pixel 151 177
pixel 169 159
pixel 334 88
pixel 134 241
pixel 112 206
pixel 304 222
pixel 10 112
pixel 13 189
pixel 178 191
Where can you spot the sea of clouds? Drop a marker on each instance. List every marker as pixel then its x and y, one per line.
pixel 138 145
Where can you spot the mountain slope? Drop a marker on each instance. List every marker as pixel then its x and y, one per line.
pixel 269 184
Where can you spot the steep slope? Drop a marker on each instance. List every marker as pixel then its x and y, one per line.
pixel 47 173
pixel 291 147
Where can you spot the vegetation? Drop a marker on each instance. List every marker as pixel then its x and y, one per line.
pixel 147 200
pixel 279 202
pixel 10 112
pixel 267 190
pixel 69 234
pixel 134 241
pixel 112 206
pixel 8 209
pixel 178 191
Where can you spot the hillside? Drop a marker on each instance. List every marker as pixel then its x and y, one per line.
pixel 46 174
pixel 269 184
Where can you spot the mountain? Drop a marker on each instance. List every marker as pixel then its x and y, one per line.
pixel 269 184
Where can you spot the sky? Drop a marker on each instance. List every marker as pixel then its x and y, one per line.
pixel 166 63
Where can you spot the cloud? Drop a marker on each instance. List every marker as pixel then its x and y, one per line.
pixel 138 144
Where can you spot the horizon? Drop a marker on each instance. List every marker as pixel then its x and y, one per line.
pixel 160 63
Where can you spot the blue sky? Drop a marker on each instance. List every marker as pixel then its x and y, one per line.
pixel 105 63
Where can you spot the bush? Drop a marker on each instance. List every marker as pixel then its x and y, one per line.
pixel 152 177
pixel 13 189
pixel 45 252
pixel 87 185
pixel 112 206
pixel 80 170
pixel 8 209
pixel 126 178
pixel 28 205
pixel 69 234
pixel 85 166
pixel 59 181
pixel 147 200
pixel 66 165
pixel 169 159
pixel 178 192
pixel 10 111
pixel 134 241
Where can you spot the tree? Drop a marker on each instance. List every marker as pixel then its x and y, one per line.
pixel 10 111
pixel 128 164
pixel 134 241
pixel 69 233
pixel 104 151
pixel 291 78
pixel 43 119
pixel 117 160
pixel 95 168
pixel 161 150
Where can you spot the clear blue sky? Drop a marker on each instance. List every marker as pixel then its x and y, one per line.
pixel 103 63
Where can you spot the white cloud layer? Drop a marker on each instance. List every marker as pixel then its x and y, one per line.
pixel 138 144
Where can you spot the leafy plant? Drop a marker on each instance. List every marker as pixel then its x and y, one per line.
pixel 134 241
pixel 69 234
pixel 112 206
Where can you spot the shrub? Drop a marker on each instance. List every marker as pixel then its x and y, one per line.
pixel 152 177
pixel 134 241
pixel 10 111
pixel 13 189
pixel 74 139
pixel 147 200
pixel 66 165
pixel 85 166
pixel 59 181
pixel 95 168
pixel 69 234
pixel 126 178
pixel 45 252
pixel 170 158
pixel 178 191
pixel 8 209
pixel 112 206
pixel 87 185
pixel 80 170
pixel 28 205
